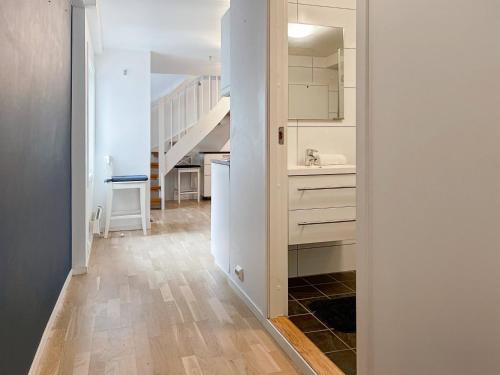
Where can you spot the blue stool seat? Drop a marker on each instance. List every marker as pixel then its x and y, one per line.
pixel 187 166
pixel 130 178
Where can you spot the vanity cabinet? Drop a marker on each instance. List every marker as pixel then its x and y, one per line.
pixel 322 208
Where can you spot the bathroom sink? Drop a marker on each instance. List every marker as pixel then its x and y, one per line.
pixel 302 170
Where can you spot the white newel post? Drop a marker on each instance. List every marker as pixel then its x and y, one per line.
pixel 209 93
pixel 161 150
pixel 171 123
pixel 216 90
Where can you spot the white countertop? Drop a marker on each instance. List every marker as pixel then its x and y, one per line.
pixel 301 170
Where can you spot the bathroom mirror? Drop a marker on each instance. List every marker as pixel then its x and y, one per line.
pixel 315 72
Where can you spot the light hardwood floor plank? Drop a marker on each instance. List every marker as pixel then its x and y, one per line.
pixel 157 304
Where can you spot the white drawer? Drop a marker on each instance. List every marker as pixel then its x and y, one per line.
pixel 323 191
pixel 321 225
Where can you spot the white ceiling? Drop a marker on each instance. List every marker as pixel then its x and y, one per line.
pixel 180 28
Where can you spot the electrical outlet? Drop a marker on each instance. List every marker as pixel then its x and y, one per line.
pixel 239 272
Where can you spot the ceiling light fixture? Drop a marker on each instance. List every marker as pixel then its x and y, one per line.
pixel 299 30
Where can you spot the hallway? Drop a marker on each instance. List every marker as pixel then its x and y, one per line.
pixel 159 305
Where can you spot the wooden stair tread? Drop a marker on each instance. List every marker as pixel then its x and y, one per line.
pixel 155 200
pixel 155 187
pixel 154 176
pixel 155 164
pixel 318 361
pixel 154 152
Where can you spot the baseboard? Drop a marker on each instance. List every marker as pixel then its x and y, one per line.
pixel 125 226
pixel 81 270
pixel 297 359
pixel 320 363
pixel 46 333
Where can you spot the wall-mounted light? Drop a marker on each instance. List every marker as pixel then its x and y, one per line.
pixel 299 30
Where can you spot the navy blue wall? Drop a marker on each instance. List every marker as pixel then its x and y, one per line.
pixel 35 170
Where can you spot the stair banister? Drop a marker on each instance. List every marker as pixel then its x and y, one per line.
pixel 189 113
pixel 161 151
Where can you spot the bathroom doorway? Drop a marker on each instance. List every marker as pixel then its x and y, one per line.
pixel 315 53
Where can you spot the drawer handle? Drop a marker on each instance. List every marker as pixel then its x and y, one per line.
pixel 326 188
pixel 325 222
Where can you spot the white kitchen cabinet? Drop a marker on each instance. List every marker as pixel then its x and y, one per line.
pixel 225 54
pixel 207 170
pixel 220 215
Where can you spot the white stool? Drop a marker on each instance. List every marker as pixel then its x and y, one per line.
pixel 187 169
pixel 120 183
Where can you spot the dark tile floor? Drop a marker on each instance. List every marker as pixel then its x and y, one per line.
pixel 340 347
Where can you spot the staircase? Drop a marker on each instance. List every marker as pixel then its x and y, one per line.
pixel 155 182
pixel 185 118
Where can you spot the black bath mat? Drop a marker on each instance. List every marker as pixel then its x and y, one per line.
pixel 338 313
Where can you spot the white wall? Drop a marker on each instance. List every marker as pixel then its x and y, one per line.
pixel 431 184
pixel 336 136
pixel 123 124
pixel 248 172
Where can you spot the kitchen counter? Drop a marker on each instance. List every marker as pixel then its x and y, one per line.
pixel 222 162
pixel 302 170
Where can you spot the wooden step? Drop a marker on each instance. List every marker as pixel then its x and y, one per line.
pixel 155 165
pixel 155 153
pixel 155 200
pixel 318 361
pixel 155 187
pixel 154 176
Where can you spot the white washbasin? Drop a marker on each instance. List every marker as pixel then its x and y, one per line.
pixel 301 170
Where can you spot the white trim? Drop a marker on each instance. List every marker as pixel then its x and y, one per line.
pixel 46 333
pixel 81 270
pixel 78 139
pixel 297 359
pixel 277 179
pixel 364 262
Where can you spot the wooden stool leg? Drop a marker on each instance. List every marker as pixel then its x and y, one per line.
pixel 179 186
pixel 142 197
pixel 198 185
pixel 109 207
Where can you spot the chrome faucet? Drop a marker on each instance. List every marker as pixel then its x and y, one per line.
pixel 312 157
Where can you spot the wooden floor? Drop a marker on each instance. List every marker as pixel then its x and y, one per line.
pixel 158 305
pixel 318 361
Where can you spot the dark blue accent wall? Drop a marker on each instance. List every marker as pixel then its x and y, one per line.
pixel 35 172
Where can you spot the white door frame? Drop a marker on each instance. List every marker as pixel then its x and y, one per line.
pixel 78 141
pixel 363 186
pixel 277 159
pixel 278 179
pixel 82 182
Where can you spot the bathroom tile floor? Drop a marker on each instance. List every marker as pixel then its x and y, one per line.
pixel 340 347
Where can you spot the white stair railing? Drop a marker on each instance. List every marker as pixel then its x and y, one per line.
pixel 179 111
